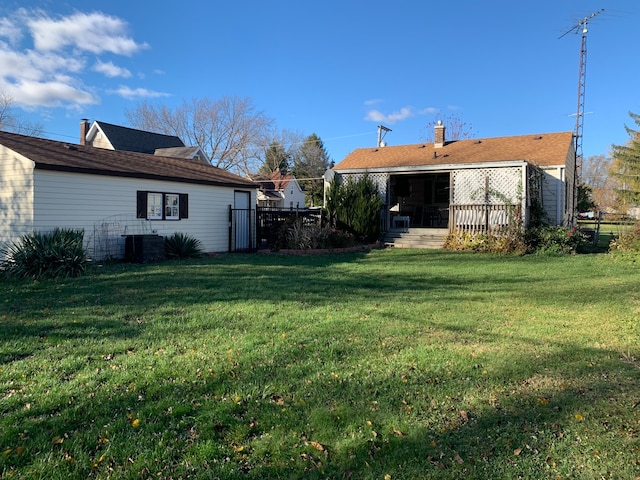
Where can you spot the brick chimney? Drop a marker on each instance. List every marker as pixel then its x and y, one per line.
pixel 439 135
pixel 84 129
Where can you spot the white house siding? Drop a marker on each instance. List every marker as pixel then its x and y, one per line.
pixel 105 207
pixel 553 194
pixel 100 141
pixel 16 196
pixel 293 195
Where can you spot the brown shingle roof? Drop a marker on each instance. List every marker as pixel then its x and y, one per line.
pixel 54 155
pixel 545 149
pixel 280 180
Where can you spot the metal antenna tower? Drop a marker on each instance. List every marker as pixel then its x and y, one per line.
pixel 582 75
pixel 382 128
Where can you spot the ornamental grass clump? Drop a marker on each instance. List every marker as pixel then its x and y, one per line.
pixel 56 254
pixel 305 236
pixel 181 245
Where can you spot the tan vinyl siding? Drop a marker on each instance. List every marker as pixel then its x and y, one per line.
pixel 16 195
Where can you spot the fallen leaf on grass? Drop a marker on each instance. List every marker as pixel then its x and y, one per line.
pixel 517 451
pixel 458 459
pixel 317 446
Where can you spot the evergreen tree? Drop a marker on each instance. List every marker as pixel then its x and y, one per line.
pixel 626 166
pixel 309 165
pixel 276 159
pixel 356 205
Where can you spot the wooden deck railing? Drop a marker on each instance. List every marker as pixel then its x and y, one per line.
pixel 481 218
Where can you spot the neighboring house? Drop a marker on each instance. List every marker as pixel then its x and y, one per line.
pixel 473 185
pixel 110 193
pixel 191 153
pixel 280 190
pixel 115 137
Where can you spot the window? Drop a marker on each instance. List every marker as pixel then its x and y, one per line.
pixel 171 204
pixel 162 206
pixel 154 206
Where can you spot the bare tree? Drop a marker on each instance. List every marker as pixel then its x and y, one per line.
pixel 11 122
pixel 596 173
pixel 457 128
pixel 230 131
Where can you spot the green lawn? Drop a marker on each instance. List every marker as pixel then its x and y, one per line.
pixel 393 364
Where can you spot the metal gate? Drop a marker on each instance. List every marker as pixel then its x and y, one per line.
pixel 242 235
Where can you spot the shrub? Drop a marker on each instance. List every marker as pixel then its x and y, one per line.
pixel 181 245
pixel 628 242
pixel 56 254
pixel 555 240
pixel 502 243
pixel 356 205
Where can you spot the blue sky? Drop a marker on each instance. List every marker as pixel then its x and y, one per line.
pixel 334 68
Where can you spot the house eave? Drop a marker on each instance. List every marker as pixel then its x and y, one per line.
pixel 146 176
pixel 434 168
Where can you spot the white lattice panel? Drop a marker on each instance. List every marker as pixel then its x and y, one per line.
pixel 498 185
pixel 379 180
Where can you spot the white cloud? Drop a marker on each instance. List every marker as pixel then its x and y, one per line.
pixel 402 114
pixel 391 118
pixel 43 59
pixel 10 30
pixel 111 70
pixel 373 101
pixel 133 93
pixel 93 32
pixel 54 93
pixel 31 65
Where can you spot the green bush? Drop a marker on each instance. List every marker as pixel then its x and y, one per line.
pixel 356 205
pixel 555 240
pixel 56 254
pixel 181 245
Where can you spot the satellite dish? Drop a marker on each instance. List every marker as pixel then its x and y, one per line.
pixel 328 175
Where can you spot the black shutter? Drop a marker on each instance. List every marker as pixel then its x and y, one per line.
pixel 141 204
pixel 184 205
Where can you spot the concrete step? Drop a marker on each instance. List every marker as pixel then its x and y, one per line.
pixel 416 237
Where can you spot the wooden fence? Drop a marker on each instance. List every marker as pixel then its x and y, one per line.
pixel 272 221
